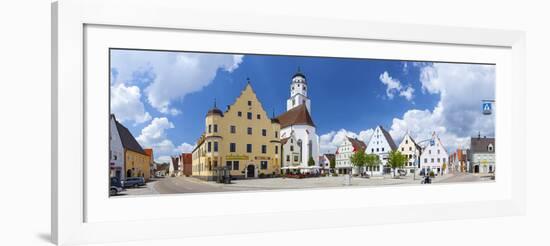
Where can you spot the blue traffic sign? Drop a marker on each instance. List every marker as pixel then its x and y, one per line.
pixel 487 108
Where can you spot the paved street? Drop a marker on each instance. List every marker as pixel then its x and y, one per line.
pixel 174 185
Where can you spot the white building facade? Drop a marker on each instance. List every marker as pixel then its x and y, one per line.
pixel 344 152
pixel 483 155
pixel 297 121
pixel 291 153
pixel 381 144
pixel 434 157
pixel 411 150
pixel 325 159
pixel 116 151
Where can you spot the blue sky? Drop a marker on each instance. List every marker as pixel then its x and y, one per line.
pixel 162 97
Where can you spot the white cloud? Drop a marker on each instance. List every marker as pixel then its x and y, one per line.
pixel 405 67
pixel 331 140
pixel 407 93
pixel 126 104
pixel 394 86
pixel 457 115
pixel 185 148
pixel 154 136
pixel 163 159
pixel 169 76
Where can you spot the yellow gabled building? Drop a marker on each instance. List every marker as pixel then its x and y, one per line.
pixel 243 140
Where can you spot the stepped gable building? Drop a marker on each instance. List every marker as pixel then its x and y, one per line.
pixel 297 120
pixel 381 143
pixel 242 140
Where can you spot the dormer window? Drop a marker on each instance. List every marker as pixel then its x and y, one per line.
pixel 490 148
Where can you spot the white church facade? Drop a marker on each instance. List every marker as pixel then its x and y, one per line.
pixel 297 121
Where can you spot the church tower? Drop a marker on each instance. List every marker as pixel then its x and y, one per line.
pixel 298 92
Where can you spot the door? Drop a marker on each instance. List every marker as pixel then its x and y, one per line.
pixel 250 171
pixel 476 169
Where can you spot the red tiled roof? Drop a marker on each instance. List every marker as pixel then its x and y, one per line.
pixel 148 152
pixel 296 116
pixel 357 144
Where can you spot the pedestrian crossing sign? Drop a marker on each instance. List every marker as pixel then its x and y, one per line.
pixel 487 108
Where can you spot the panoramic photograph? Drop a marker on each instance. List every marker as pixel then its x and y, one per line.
pixel 197 122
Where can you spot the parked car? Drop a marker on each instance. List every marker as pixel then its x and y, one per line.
pixel 402 172
pixel 134 182
pixel 115 186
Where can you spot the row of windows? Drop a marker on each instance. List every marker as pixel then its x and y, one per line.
pixel 433 160
pixel 232 165
pixel 377 149
pixel 294 101
pixel 233 148
pixel 288 158
pixel 233 130
pixel 214 147
pixel 298 85
pixel 403 148
pixel 438 151
pixel 249 114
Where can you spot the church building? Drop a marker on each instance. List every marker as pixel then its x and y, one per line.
pixel 297 121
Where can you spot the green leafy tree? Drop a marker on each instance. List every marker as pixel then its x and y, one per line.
pixel 332 163
pixel 358 159
pixel 311 162
pixel 396 160
pixel 443 167
pixel 371 161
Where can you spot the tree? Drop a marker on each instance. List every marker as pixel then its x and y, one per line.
pixel 396 160
pixel 371 161
pixel 358 159
pixel 443 167
pixel 311 162
pixel 332 163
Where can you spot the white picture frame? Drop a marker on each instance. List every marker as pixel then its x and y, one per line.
pixel 77 215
